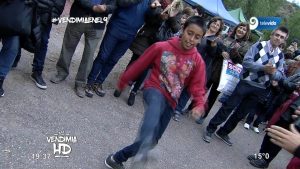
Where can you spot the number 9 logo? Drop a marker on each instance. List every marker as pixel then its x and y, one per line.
pixel 253 23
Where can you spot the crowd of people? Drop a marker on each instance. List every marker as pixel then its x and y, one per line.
pixel 177 57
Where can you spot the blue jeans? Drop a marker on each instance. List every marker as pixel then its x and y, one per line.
pixel 182 101
pixel 17 59
pixel 112 48
pixel 40 54
pixel 241 92
pixel 8 54
pixel 157 116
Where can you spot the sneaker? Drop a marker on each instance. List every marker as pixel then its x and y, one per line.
pixel 57 79
pixel 224 138
pixel 207 136
pixel 131 99
pixel 79 90
pixel 39 81
pixel 246 126
pixel 256 130
pixel 117 93
pixel 200 120
pixel 98 89
pixel 111 163
pixel 176 116
pixel 89 92
pixel 259 163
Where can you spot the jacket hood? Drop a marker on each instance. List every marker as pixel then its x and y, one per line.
pixel 175 42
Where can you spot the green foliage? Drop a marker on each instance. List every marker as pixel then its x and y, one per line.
pixel 294 26
pixel 256 7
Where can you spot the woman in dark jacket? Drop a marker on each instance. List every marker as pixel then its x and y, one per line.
pixel 233 47
pixel 208 45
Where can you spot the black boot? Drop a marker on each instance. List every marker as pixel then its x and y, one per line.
pixel 117 93
pixel 1 87
pixel 131 98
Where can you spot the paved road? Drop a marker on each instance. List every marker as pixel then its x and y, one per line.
pixel 32 118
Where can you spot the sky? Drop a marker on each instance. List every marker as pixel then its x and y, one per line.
pixel 297 1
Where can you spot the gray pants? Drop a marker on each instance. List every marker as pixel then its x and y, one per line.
pixel 72 36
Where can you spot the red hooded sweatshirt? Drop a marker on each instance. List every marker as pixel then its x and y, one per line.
pixel 173 69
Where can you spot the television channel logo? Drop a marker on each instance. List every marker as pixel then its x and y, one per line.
pixel 264 23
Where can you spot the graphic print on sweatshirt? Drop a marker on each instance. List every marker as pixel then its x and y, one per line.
pixel 174 72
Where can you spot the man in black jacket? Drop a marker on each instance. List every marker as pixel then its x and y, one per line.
pixel 47 10
pixel 97 9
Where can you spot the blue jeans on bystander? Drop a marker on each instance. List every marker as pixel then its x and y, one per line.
pixel 8 54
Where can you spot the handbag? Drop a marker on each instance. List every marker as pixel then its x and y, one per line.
pixel 16 17
pixel 229 77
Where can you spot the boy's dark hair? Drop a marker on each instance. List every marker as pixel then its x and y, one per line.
pixel 215 19
pixel 197 20
pixel 282 29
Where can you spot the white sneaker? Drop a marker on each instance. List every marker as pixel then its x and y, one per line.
pixel 246 126
pixel 256 130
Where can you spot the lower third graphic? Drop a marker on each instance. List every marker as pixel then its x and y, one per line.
pixel 61 144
